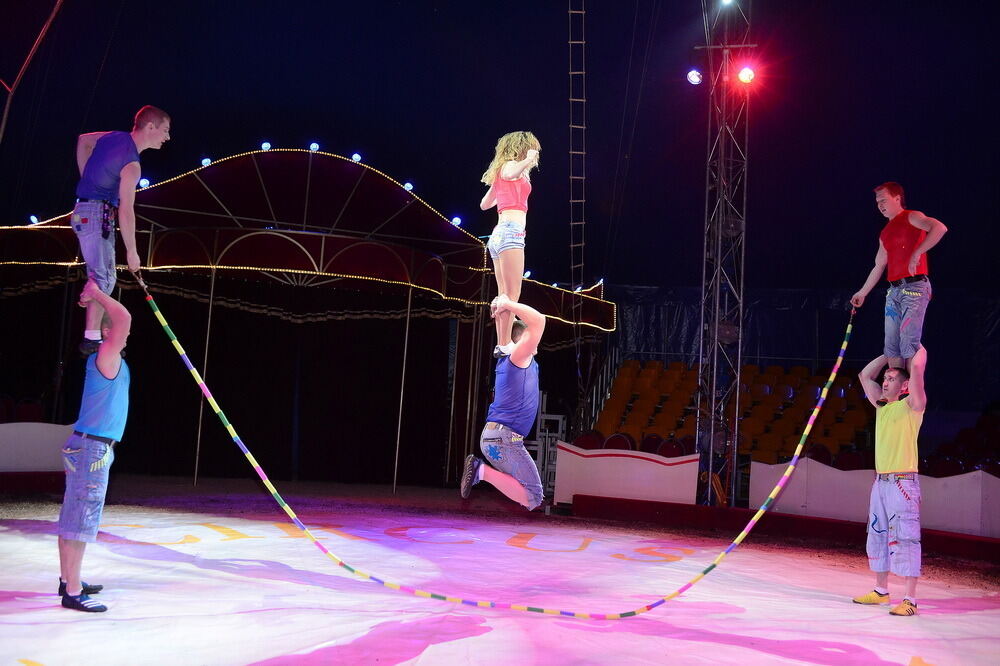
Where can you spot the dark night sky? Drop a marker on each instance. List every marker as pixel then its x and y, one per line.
pixel 849 94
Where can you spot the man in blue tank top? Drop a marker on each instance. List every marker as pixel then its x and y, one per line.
pixel 510 417
pixel 89 451
pixel 109 173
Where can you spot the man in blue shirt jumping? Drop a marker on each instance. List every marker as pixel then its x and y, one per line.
pixel 109 173
pixel 510 417
pixel 89 451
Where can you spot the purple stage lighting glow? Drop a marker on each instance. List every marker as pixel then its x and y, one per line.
pixel 457 221
pixel 356 157
pixel 266 145
pixel 314 146
pixel 144 182
pixel 407 186
pixel 694 77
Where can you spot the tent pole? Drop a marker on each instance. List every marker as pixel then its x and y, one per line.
pixel 402 386
pixel 204 374
pixel 454 384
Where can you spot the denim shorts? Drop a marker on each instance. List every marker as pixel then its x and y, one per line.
pixel 504 449
pixel 94 224
pixel 507 235
pixel 905 307
pixel 86 462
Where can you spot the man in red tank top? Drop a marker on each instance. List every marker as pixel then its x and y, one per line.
pixel 902 248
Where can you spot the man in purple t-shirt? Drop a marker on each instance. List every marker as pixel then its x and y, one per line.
pixel 511 470
pixel 109 173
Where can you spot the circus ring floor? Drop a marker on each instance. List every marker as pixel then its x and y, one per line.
pixel 217 575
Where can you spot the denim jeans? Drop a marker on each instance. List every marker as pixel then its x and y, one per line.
pixel 94 224
pixel 86 462
pixel 504 449
pixel 894 526
pixel 507 235
pixel 905 307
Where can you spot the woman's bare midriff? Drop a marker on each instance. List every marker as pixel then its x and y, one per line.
pixel 518 216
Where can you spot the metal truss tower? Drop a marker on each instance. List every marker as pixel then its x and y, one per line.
pixel 727 32
pixel 577 14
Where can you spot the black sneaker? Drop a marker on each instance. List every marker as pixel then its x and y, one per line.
pixel 88 347
pixel 83 603
pixel 470 474
pixel 87 588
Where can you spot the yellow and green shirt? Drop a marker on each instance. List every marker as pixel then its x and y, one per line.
pixel 896 429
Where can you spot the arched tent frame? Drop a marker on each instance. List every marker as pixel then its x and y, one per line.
pixel 307 219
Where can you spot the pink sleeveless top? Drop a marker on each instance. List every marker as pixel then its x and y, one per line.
pixel 511 194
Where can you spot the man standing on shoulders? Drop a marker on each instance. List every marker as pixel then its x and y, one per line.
pixel 109 173
pixel 89 451
pixel 512 413
pixel 894 507
pixel 902 247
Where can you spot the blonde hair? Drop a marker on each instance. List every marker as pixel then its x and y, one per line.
pixel 512 146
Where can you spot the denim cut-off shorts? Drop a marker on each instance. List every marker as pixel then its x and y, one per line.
pixel 905 308
pixel 94 224
pixel 507 235
pixel 86 462
pixel 504 449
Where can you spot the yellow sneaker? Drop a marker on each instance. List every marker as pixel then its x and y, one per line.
pixel 905 607
pixel 872 598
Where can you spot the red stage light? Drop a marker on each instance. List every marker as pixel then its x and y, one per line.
pixel 746 75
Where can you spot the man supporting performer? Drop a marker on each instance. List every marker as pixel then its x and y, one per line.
pixel 511 414
pixel 109 173
pixel 894 508
pixel 89 451
pixel 902 246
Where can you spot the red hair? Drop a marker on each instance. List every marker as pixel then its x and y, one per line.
pixel 893 189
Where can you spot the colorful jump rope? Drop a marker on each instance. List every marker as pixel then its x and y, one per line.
pixel 496 604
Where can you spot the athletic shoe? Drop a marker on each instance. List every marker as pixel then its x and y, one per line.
pixel 872 598
pixel 470 474
pixel 87 588
pixel 83 603
pixel 905 607
pixel 88 347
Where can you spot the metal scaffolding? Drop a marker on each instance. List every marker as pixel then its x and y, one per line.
pixel 727 32
pixel 577 14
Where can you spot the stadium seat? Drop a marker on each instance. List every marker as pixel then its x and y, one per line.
pixel 670 448
pixel 589 440
pixel 620 440
pixel 650 443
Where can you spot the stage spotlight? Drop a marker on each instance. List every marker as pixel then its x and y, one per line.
pixel 601 281
pixel 33 219
pixel 694 77
pixel 206 161
pixel 457 221
pixel 144 182
pixel 727 2
pixel 356 157
pixel 314 146
pixel 407 186
pixel 527 274
pixel 579 288
pixel 555 284
pixel 266 145
pixel 746 75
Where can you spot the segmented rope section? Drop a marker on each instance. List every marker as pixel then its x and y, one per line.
pixel 492 604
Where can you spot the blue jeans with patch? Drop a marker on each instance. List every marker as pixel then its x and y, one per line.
pixel 504 449
pixel 905 307
pixel 94 224
pixel 86 462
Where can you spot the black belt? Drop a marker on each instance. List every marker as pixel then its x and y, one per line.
pixel 96 438
pixel 907 280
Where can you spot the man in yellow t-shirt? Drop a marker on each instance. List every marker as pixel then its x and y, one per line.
pixel 894 508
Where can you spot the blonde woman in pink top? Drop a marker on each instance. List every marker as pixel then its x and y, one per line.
pixel 508 178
